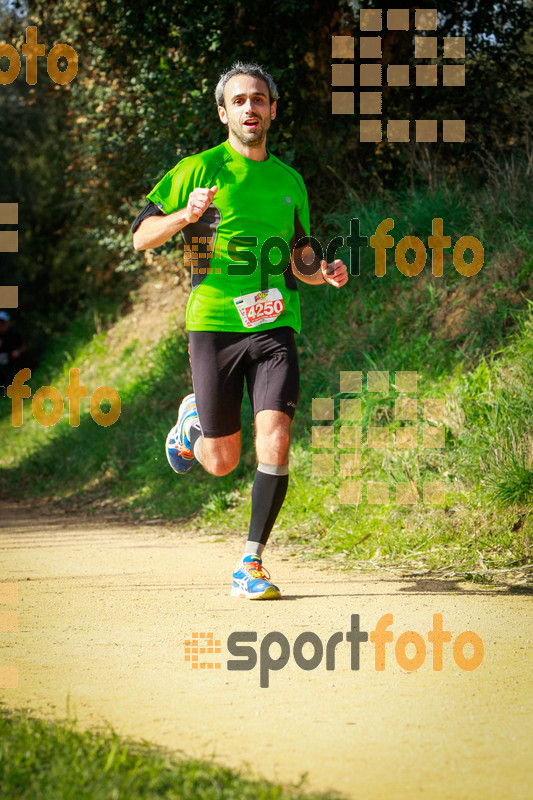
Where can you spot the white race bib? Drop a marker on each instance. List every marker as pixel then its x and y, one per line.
pixel 259 307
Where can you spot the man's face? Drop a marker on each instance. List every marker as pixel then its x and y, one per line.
pixel 248 112
pixel 4 325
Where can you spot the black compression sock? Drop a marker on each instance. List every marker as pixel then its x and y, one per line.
pixel 268 493
pixel 194 434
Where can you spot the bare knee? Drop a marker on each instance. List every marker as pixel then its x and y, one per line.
pixel 221 465
pixel 280 441
pixel 220 457
pixel 273 448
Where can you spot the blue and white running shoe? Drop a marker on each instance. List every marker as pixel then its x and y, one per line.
pixel 177 447
pixel 251 580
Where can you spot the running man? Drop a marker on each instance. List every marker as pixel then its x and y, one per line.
pixel 244 308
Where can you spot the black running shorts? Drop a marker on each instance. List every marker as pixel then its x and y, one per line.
pixel 221 361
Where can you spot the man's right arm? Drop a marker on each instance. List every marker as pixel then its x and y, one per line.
pixel 156 230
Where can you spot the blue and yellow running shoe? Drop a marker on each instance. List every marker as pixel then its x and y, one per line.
pixel 251 580
pixel 177 447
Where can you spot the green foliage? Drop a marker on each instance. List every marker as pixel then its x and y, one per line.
pixel 40 760
pixel 497 445
pixel 512 482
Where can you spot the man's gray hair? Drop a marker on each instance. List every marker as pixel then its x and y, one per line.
pixel 242 68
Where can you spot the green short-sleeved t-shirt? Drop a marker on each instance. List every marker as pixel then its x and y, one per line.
pixel 239 281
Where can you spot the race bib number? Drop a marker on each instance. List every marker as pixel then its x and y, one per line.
pixel 259 307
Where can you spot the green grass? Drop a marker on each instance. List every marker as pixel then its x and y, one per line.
pixel 40 760
pixel 469 339
pixel 498 407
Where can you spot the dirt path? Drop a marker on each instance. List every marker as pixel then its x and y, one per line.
pixel 105 609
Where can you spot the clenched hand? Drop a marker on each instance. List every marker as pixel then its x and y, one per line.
pixel 199 201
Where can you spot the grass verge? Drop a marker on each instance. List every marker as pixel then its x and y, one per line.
pixel 40 760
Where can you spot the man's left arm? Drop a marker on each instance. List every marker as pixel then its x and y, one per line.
pixel 306 265
pixel 318 272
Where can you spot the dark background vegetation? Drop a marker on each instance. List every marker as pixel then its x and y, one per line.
pixel 80 158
